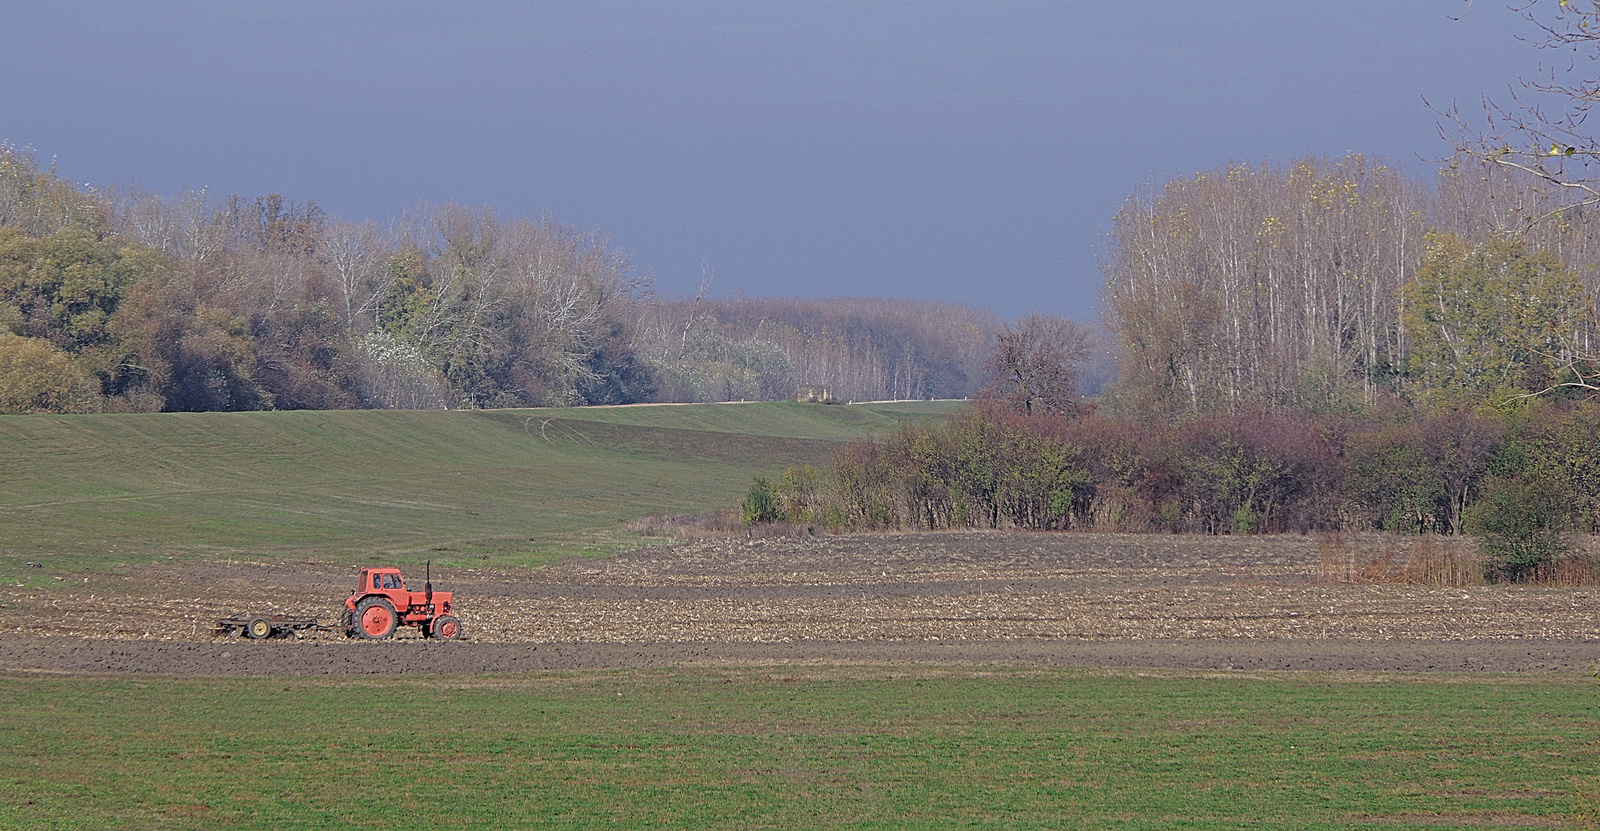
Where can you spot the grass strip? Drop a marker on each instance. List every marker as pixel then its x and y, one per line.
pixel 803 748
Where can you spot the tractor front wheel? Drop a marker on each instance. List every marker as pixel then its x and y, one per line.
pixel 258 628
pixel 445 628
pixel 375 619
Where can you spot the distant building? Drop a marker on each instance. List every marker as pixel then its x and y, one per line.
pixel 815 394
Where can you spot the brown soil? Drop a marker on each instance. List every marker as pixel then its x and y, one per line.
pixel 955 598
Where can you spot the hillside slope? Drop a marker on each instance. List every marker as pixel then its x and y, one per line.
pixel 512 486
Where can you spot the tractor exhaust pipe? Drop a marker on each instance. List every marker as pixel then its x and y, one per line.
pixel 427 583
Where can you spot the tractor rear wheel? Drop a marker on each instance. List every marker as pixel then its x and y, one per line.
pixel 445 628
pixel 375 619
pixel 258 628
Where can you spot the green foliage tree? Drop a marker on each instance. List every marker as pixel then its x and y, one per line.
pixel 36 377
pixel 63 287
pixel 1482 317
pixel 67 288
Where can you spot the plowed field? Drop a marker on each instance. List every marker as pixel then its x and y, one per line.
pixel 954 598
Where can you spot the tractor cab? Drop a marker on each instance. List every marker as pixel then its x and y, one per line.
pixel 384 579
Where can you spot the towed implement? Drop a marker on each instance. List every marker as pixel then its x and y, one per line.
pixel 266 626
pixel 381 604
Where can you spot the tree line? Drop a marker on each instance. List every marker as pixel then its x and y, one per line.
pixel 1335 285
pixel 861 349
pixel 121 299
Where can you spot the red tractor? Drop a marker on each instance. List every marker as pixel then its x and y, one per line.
pixel 381 603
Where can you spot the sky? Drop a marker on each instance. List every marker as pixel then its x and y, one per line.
pixel 952 151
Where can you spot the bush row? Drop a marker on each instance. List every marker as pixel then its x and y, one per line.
pixel 1519 478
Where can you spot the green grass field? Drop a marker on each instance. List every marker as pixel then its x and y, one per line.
pixel 802 748
pixel 514 487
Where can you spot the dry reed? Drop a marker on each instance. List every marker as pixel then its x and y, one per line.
pixel 1382 558
pixel 725 524
pixel 1430 560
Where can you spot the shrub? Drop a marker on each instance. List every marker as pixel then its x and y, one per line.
pixel 1557 444
pixel 799 492
pixel 1391 484
pixel 1520 523
pixel 1257 473
pixel 760 504
pixel 1461 445
pixel 863 490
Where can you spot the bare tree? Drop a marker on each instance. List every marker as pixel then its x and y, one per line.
pixel 38 201
pixel 1036 364
pixel 1541 128
pixel 565 287
pixel 1541 131
pixel 862 349
pixel 1263 285
pixel 186 227
pixel 354 252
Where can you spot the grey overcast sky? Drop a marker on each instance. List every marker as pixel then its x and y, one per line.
pixel 956 151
